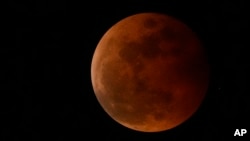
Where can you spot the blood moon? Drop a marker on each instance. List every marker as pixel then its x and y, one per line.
pixel 149 72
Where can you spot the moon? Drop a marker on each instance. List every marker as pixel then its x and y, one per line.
pixel 149 72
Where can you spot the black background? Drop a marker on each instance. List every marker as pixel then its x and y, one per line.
pixel 46 71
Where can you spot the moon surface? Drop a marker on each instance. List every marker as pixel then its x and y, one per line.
pixel 149 72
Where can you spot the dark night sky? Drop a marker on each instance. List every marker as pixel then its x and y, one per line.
pixel 46 71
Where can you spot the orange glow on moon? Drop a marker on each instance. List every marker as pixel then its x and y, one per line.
pixel 149 72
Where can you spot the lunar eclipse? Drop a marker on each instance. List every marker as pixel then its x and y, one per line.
pixel 149 72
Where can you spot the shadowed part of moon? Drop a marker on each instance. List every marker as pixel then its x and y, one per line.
pixel 147 48
pixel 150 23
pixel 149 72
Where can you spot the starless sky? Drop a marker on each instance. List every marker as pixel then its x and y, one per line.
pixel 47 81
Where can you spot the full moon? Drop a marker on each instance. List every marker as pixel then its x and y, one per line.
pixel 149 72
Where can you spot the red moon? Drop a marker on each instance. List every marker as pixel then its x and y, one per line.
pixel 149 72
